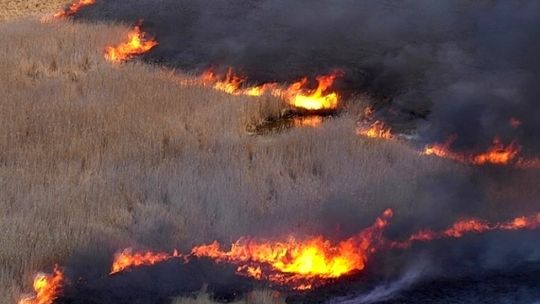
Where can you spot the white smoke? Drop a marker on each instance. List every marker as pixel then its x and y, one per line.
pixel 388 290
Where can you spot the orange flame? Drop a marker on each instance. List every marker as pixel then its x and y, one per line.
pixel 472 225
pixel 47 288
pixel 74 8
pixel 497 154
pixel 127 259
pixel 136 45
pixel 296 94
pixel 299 263
pixel 376 130
pixel 319 99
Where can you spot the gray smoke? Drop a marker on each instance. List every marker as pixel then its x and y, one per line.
pixel 466 66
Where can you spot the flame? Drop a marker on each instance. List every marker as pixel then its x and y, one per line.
pixel 136 45
pixel 497 154
pixel 471 225
pixel 319 99
pixel 128 259
pixel 74 8
pixel 296 94
pixel 300 263
pixel 376 130
pixel 47 288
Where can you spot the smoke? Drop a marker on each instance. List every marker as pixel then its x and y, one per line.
pixel 466 67
pixel 387 290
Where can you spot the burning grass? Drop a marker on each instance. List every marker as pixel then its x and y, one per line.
pixel 92 156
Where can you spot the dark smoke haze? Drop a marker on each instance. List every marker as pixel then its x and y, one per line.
pixel 468 65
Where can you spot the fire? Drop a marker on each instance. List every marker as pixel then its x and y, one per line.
pixel 318 99
pixel 136 45
pixel 299 262
pixel 74 8
pixel 376 130
pixel 128 259
pixel 296 94
pixel 308 121
pixel 497 154
pixel 471 225
pixel 47 288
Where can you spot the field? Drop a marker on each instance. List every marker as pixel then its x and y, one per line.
pixel 96 157
pixel 11 9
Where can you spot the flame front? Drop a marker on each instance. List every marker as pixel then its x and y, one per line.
pixel 47 288
pixel 127 259
pixel 470 225
pixel 136 45
pixel 74 8
pixel 299 263
pixel 296 94
pixel 497 154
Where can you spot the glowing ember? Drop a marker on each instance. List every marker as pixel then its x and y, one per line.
pixel 515 123
pixel 296 94
pixel 136 45
pixel 74 8
pixel 47 288
pixel 308 121
pixel 127 259
pixel 300 263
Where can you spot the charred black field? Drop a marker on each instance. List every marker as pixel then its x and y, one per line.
pixel 270 152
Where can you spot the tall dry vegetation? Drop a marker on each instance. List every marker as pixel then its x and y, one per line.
pixel 95 157
pixel 10 9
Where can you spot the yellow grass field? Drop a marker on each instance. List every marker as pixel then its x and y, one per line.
pixel 11 9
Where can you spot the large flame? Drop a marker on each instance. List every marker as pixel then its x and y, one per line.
pixel 47 288
pixel 300 263
pixel 296 94
pixel 136 45
pixel 74 8
pixel 126 259
pixel 319 99
pixel 497 154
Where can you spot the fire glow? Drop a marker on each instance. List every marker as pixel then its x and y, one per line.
pixel 47 288
pixel 296 94
pixel 497 154
pixel 74 8
pixel 137 44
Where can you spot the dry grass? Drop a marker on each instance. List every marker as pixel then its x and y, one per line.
pixel 254 297
pixel 94 157
pixel 11 9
